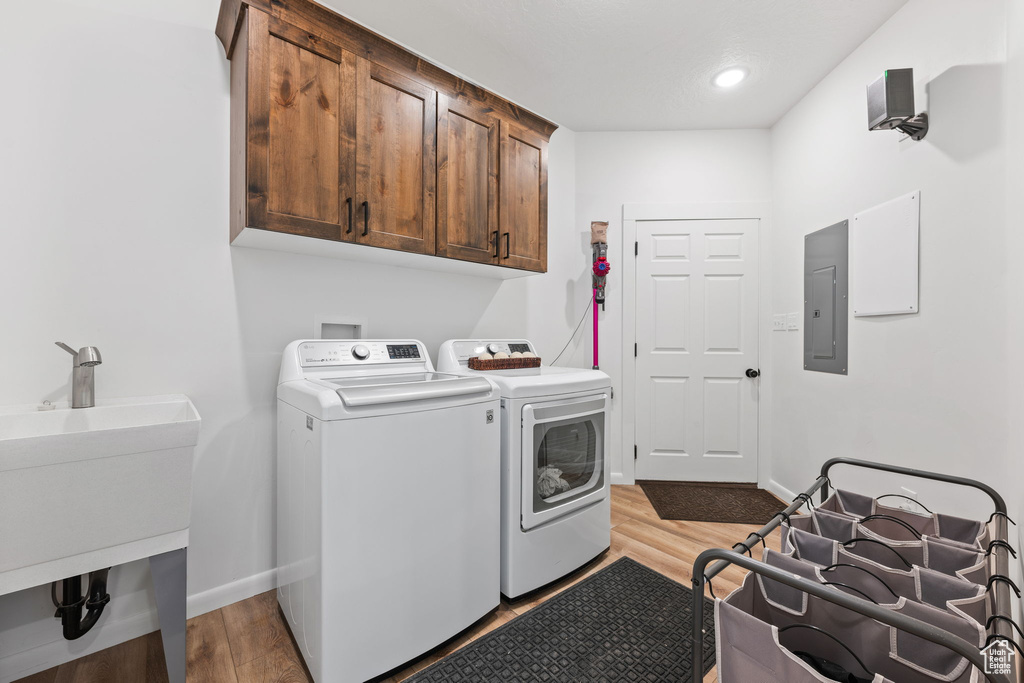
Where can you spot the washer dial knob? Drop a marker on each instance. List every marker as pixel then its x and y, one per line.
pixel 360 352
pixel 493 348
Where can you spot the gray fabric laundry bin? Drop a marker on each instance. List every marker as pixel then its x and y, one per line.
pixel 888 521
pixel 755 645
pixel 838 533
pixel 886 585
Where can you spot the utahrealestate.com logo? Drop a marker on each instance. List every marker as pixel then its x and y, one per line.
pixel 999 658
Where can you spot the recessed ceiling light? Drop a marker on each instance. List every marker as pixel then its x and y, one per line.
pixel 730 77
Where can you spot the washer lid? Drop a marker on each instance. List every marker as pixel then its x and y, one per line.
pixel 399 388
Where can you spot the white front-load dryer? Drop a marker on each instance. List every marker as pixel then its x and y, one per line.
pixel 555 470
pixel 388 535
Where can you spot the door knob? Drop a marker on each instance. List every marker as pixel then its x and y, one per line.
pixel 752 373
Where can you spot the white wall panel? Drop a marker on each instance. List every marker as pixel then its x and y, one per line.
pixel 672 295
pixel 722 416
pixel 669 406
pixel 884 257
pixel 723 313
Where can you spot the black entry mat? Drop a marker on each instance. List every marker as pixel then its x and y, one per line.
pixel 624 623
pixel 712 501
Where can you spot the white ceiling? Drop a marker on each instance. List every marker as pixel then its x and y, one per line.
pixel 595 65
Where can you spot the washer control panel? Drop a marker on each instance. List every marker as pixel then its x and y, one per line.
pixel 403 352
pixel 328 352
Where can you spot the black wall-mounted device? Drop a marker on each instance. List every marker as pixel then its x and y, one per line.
pixel 891 104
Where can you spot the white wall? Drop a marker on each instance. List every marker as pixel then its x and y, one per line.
pixel 926 390
pixel 613 169
pixel 1015 246
pixel 113 226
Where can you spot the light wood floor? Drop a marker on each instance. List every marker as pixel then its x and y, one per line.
pixel 248 642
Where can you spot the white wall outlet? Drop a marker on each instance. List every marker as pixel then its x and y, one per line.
pixel 779 322
pixel 909 505
pixel 793 321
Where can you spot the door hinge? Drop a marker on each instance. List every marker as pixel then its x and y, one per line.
pixel 634 349
pixel 634 451
pixel 636 248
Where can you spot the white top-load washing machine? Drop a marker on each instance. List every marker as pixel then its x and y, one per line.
pixel 388 527
pixel 555 472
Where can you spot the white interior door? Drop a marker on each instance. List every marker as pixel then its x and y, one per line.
pixel 696 337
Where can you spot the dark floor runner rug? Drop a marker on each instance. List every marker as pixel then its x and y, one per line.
pixel 712 502
pixel 624 623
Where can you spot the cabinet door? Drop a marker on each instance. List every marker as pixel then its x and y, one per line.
pixel 395 161
pixel 524 199
pixel 467 181
pixel 300 135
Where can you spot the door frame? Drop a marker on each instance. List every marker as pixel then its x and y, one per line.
pixel 760 211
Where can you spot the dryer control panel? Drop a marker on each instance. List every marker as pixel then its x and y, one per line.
pixel 463 349
pixel 331 352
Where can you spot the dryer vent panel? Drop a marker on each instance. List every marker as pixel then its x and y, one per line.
pixel 338 327
pixel 826 299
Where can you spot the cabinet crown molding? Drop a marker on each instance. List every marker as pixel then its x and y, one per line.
pixel 321 23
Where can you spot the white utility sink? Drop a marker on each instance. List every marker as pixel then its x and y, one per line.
pixel 87 488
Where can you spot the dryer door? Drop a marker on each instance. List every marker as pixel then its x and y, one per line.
pixel 564 457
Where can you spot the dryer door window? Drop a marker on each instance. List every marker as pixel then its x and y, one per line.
pixel 563 457
pixel 567 461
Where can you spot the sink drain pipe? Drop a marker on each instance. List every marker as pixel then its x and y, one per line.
pixel 69 609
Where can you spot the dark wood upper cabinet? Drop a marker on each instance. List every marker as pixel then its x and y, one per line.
pixel 395 160
pixel 299 172
pixel 524 198
pixel 467 181
pixel 339 134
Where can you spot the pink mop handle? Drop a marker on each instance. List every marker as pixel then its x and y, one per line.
pixel 595 328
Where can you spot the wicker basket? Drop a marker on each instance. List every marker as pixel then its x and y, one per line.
pixel 503 363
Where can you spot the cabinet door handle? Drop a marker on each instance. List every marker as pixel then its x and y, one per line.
pixel 496 243
pixel 366 218
pixel 350 207
pixel 506 245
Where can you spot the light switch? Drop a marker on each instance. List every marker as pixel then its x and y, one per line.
pixel 793 321
pixel 779 322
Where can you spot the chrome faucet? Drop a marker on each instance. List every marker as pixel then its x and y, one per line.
pixel 83 380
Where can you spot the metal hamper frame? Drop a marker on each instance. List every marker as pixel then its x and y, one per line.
pixel 999 628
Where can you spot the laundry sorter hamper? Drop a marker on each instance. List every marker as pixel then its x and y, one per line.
pixel 865 591
pixel 882 582
pixel 829 533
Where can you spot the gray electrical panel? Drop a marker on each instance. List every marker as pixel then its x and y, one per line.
pixel 826 299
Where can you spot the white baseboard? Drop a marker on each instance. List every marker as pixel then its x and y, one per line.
pixel 108 632
pixel 780 490
pixel 230 593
